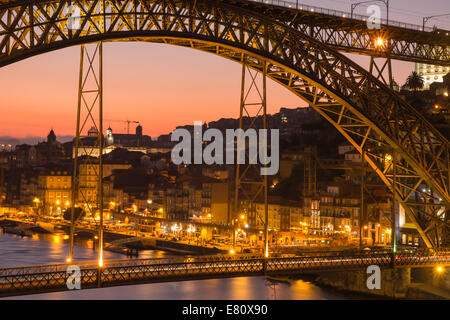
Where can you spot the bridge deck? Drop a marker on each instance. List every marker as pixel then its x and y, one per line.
pixel 335 28
pixel 338 29
pixel 39 279
pixel 319 10
pixel 340 14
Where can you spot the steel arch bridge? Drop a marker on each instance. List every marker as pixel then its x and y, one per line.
pixel 408 153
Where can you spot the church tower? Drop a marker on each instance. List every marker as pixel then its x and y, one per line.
pixel 109 137
pixel 51 138
pixel 139 131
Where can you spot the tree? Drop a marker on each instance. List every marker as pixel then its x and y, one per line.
pixel 395 85
pixel 290 188
pixel 415 81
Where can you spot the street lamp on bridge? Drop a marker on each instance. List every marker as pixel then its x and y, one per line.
pixel 386 2
pixel 426 19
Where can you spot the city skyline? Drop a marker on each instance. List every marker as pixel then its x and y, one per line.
pixel 141 85
pixel 342 196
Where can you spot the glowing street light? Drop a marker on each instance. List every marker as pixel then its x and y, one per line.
pixel 379 42
pixel 387 158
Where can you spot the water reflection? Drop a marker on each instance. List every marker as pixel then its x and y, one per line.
pixel 248 288
pixel 39 249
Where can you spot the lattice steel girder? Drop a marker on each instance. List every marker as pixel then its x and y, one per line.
pixel 26 21
pixel 353 36
pixel 250 185
pixel 87 187
pixel 365 111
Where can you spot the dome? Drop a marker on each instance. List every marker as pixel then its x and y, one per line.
pixel 92 131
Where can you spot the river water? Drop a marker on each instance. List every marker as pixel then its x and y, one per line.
pixel 49 249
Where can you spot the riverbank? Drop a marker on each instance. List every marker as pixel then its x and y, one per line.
pixel 413 291
pixel 114 242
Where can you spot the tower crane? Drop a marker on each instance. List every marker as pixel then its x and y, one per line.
pixel 125 121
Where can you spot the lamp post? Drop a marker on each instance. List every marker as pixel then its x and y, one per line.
pixel 58 208
pixel 37 201
pixel 386 2
pixel 426 19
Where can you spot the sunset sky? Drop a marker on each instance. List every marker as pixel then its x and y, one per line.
pixel 159 85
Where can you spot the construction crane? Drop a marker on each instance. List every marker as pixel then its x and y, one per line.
pixel 125 121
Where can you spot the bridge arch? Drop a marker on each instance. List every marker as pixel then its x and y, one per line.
pixel 371 116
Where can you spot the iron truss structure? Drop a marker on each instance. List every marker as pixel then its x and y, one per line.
pixel 250 185
pixel 353 36
pixel 369 114
pixel 87 189
pixel 39 279
pixel 338 31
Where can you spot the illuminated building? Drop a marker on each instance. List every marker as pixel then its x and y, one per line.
pixel 431 73
pixel 54 190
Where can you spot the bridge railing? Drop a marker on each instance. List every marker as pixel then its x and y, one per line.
pixel 338 13
pixel 422 259
pixel 286 260
pixel 120 263
pixel 53 277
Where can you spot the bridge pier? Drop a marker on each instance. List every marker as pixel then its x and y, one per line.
pixel 394 282
pixel 432 277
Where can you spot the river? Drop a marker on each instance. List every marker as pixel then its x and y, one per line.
pixel 49 249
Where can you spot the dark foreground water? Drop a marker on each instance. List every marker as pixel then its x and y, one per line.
pixel 48 249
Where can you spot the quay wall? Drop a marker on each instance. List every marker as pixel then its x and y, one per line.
pixel 394 282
